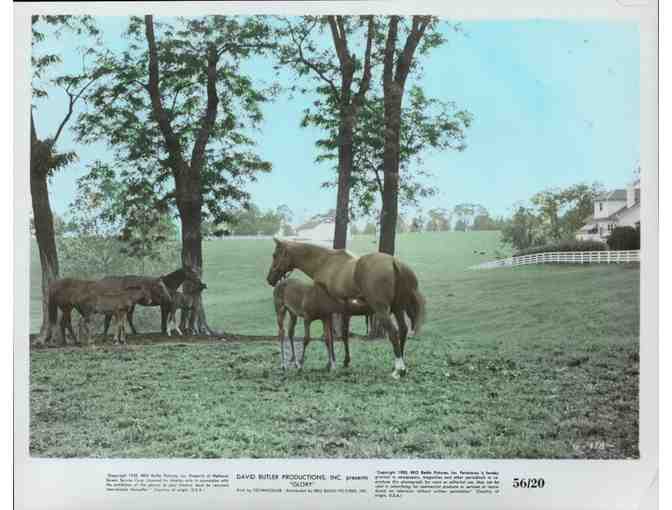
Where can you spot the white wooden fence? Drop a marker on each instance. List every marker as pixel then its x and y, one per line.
pixel 565 257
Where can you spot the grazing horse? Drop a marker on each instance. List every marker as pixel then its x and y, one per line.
pixel 172 281
pixel 386 284
pixel 185 303
pixel 116 302
pixel 82 295
pixel 311 302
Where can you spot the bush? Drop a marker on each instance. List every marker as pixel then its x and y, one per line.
pixel 568 245
pixel 624 238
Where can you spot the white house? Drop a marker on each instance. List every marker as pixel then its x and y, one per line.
pixel 617 208
pixel 319 229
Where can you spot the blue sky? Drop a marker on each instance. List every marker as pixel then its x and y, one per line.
pixel 554 103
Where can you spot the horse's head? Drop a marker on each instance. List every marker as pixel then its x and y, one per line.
pixel 281 265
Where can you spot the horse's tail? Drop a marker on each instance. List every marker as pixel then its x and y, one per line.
pixel 408 295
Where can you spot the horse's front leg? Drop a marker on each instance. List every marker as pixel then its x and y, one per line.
pixel 106 327
pixel 115 328
pixel 306 340
pixel 164 319
pixel 346 338
pixel 66 321
pixel 329 340
pixel 292 328
pixel 129 316
pixel 184 327
pixel 280 317
pixel 122 326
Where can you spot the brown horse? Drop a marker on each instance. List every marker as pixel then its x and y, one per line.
pixel 311 302
pixel 115 302
pixel 71 293
pixel 185 303
pixel 386 284
pixel 158 298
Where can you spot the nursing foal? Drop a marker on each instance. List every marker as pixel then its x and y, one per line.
pixel 311 302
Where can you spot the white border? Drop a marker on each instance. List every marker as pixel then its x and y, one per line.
pixel 575 484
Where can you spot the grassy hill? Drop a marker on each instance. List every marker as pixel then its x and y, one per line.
pixel 536 361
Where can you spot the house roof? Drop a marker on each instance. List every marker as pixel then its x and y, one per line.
pixel 615 195
pixel 613 216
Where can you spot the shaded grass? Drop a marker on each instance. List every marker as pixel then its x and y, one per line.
pixel 531 362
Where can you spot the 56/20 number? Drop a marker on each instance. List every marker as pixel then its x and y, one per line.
pixel 528 483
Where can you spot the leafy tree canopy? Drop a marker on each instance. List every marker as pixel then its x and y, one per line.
pixel 120 112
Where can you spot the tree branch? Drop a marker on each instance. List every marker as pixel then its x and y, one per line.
pixel 72 99
pixel 418 28
pixel 390 45
pixel 358 99
pixel 210 114
pixel 172 142
pixel 340 41
pixel 311 65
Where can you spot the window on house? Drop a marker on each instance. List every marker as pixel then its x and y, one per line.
pixel 599 204
pixel 611 226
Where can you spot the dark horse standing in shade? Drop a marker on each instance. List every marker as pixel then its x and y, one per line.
pixel 172 281
pixel 386 284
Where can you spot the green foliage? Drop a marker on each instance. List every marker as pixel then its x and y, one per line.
pixel 120 112
pixel 94 241
pixel 427 125
pixel 42 59
pixel 523 230
pixel 416 223
pixel 564 211
pixel 439 220
pixel 45 159
pixel 252 221
pixel 485 222
pixel 624 238
pixel 554 214
pixel 460 225
pixel 566 245
pixel 466 213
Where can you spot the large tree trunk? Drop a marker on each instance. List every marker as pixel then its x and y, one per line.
pixel 345 158
pixel 192 256
pixel 187 175
pixel 46 240
pixel 395 72
pixel 388 217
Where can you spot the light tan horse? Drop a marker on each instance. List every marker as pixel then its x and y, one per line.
pixel 311 302
pixel 386 284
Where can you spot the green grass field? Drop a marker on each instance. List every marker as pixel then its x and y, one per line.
pixel 532 362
